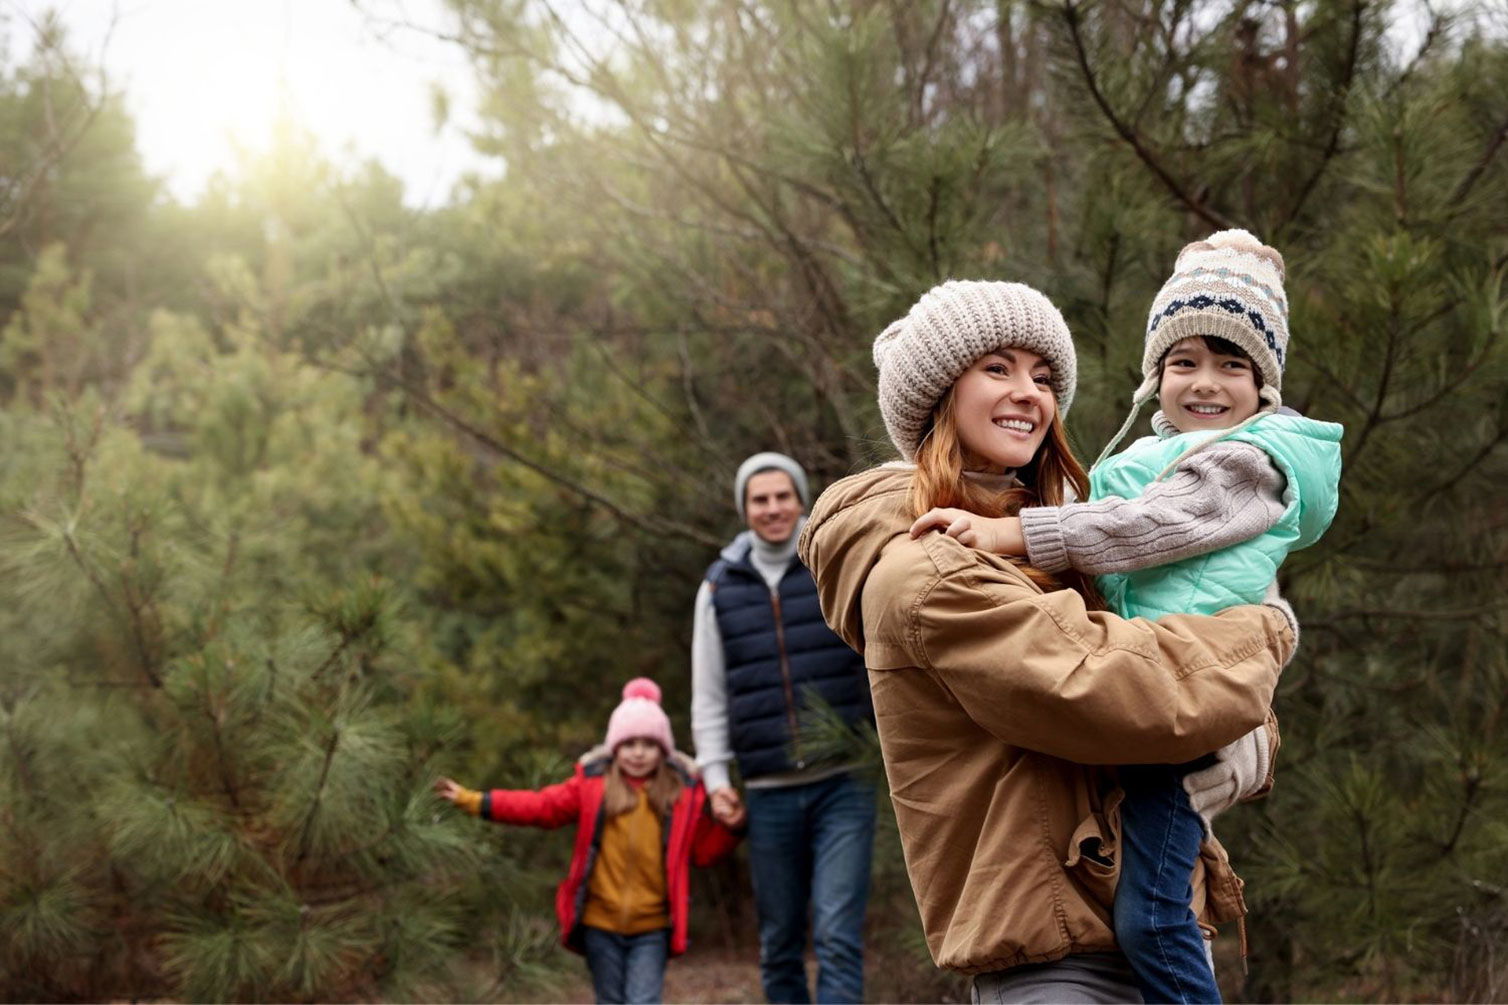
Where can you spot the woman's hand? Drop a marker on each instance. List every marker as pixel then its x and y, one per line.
pixel 1240 772
pixel 998 535
pixel 448 788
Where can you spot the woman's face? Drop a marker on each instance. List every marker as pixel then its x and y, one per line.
pixel 1002 406
pixel 639 757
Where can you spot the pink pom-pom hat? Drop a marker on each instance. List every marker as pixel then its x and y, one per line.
pixel 638 715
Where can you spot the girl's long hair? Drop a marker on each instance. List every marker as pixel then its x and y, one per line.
pixel 941 461
pixel 663 787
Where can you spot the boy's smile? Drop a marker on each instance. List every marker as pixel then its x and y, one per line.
pixel 1204 389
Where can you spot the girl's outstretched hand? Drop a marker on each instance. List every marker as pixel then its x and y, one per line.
pixel 447 788
pixel 998 535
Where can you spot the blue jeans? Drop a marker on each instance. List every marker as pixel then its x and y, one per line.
pixel 1156 929
pixel 812 844
pixel 628 969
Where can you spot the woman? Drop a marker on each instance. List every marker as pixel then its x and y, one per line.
pixel 997 692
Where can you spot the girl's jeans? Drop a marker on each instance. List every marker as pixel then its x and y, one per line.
pixel 627 969
pixel 1156 929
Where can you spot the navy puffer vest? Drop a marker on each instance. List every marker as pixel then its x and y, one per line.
pixel 778 652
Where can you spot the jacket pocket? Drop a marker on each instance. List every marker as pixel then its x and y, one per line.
pixel 1094 851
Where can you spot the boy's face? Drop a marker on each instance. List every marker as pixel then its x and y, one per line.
pixel 1204 389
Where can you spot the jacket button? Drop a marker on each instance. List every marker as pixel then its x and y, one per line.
pixel 800 764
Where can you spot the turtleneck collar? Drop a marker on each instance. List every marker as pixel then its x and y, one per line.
pixel 772 560
pixel 1163 426
pixel 768 554
pixel 994 482
pixel 990 480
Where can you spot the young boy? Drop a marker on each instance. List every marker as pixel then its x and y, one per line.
pixel 1192 520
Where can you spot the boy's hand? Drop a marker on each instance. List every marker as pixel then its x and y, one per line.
pixel 447 788
pixel 999 535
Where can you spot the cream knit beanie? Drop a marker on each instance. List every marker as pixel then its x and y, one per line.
pixel 1229 285
pixel 952 325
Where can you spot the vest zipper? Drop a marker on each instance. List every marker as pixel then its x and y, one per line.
pixel 785 678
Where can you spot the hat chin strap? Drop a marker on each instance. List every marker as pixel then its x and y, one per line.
pixel 1141 397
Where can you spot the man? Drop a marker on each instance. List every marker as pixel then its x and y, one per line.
pixel 760 652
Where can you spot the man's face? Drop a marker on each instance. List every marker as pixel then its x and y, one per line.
pixel 772 506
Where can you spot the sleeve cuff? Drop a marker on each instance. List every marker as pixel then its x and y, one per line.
pixel 1043 532
pixel 715 776
pixel 470 800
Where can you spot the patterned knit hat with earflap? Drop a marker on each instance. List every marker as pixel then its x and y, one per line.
pixel 1229 285
pixel 640 715
pixel 952 325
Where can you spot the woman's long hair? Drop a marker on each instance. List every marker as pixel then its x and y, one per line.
pixel 941 461
pixel 663 787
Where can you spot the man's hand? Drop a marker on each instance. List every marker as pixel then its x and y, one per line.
pixel 447 788
pixel 728 808
pixel 998 535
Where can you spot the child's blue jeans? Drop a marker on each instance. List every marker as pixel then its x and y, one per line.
pixel 1156 928
pixel 627 969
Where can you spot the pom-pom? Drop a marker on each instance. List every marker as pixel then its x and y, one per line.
pixel 642 687
pixel 1244 240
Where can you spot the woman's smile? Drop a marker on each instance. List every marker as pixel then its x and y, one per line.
pixel 1015 424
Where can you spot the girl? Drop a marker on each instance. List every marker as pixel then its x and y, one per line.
pixel 641 821
pixel 996 691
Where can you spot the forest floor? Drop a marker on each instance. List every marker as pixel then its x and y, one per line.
pixel 718 976
pixel 707 977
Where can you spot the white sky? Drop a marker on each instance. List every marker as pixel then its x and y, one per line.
pixel 201 76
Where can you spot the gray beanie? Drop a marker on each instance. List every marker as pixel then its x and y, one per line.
pixel 767 461
pixel 951 326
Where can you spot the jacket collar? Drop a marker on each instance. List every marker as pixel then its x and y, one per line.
pixel 596 760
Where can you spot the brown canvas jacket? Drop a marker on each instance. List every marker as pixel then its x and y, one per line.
pixel 995 702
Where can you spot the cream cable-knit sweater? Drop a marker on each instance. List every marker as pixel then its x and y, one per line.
pixel 1227 493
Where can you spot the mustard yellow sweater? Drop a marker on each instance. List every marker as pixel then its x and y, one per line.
pixel 626 891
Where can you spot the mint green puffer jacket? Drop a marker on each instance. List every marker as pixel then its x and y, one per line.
pixel 1306 451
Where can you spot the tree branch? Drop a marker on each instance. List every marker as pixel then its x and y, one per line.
pixel 1070 11
pixel 1494 143
pixel 1341 95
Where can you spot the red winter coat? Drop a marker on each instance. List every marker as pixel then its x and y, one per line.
pixel 693 836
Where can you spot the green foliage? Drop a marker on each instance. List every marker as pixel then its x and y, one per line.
pixel 308 497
